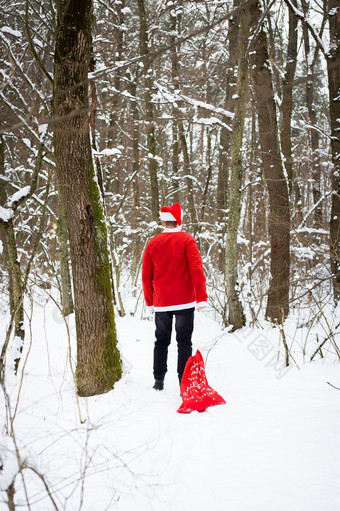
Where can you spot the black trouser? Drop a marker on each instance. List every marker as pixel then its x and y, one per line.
pixel 184 325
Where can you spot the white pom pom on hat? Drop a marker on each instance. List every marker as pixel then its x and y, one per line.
pixel 172 213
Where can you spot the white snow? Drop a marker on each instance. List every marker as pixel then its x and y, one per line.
pixel 42 129
pixel 210 121
pixel 8 463
pixel 10 30
pixel 158 159
pixel 37 42
pixel 207 106
pixel 19 195
pixel 6 214
pixel 274 445
pixel 113 151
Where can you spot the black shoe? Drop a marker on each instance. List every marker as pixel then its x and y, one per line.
pixel 159 385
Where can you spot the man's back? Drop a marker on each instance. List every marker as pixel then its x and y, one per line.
pixel 173 276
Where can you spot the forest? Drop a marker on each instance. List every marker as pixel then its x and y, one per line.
pixel 112 109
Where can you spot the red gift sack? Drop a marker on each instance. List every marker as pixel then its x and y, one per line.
pixel 195 391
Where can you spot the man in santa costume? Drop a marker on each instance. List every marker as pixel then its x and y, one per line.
pixel 173 285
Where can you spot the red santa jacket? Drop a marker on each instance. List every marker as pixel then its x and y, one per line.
pixel 172 275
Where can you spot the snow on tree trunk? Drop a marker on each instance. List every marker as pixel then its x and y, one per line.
pixel 98 359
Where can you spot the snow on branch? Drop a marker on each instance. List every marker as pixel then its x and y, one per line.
pixel 176 97
pixel 207 106
pixel 113 151
pixel 17 196
pixel 9 30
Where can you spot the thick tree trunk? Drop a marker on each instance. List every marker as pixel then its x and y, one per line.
pixel 98 360
pixel 279 215
pixel 333 68
pixel 150 123
pixel 236 315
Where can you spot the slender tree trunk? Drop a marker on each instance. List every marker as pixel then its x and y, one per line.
pixel 287 97
pixel 174 21
pixel 98 360
pixel 333 69
pixel 236 315
pixel 3 199
pixel 208 178
pixel 279 215
pixel 314 134
pixel 114 183
pixel 188 173
pixel 150 129
pixel 13 265
pixel 225 136
pixel 137 247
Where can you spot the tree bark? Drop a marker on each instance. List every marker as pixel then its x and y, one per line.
pixel 225 136
pixel 279 215
pixel 65 277
pixel 333 70
pixel 287 97
pixel 98 359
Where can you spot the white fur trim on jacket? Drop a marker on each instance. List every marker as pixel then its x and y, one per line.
pixel 179 307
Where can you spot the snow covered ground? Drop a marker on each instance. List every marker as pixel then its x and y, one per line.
pixel 275 445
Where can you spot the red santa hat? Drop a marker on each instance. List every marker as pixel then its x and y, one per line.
pixel 172 213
